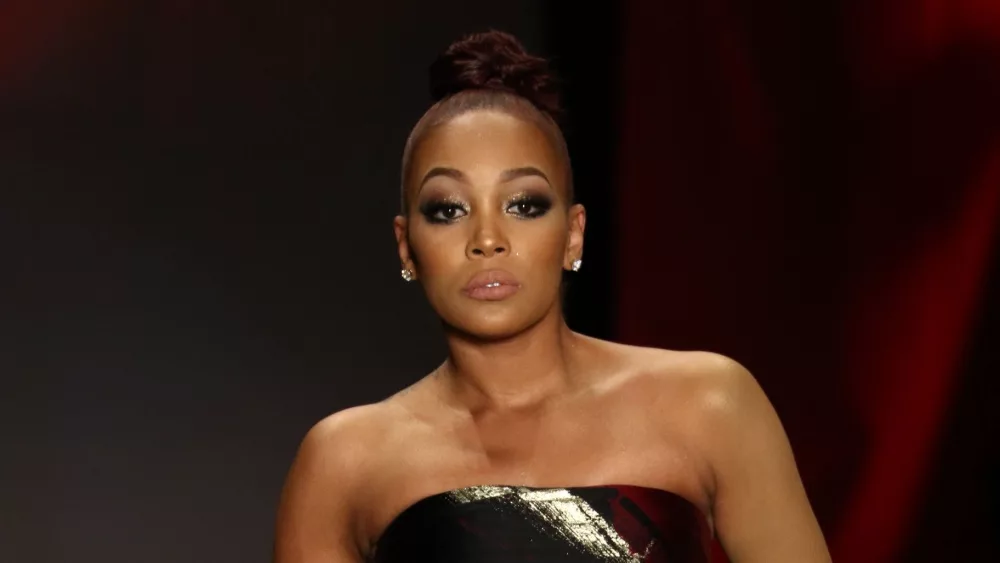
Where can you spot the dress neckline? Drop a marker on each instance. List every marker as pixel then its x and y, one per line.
pixel 478 493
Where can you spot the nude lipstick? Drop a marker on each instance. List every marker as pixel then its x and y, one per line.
pixel 492 285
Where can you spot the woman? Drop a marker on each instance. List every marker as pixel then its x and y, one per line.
pixel 532 442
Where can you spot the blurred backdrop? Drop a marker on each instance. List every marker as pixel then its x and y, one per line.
pixel 198 262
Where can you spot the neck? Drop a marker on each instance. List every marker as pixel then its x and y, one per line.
pixel 522 371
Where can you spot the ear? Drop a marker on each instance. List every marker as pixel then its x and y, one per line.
pixel 403 245
pixel 577 216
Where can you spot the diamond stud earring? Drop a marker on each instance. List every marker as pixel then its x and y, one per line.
pixel 576 265
pixel 407 275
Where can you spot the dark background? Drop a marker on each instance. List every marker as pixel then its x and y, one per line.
pixel 198 262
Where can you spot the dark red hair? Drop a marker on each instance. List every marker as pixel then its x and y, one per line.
pixel 491 71
pixel 496 61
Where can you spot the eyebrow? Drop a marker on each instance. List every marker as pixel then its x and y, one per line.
pixel 515 173
pixel 506 176
pixel 446 172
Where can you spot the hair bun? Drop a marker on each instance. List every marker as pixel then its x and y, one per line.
pixel 494 60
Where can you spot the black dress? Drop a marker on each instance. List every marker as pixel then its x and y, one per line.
pixel 503 524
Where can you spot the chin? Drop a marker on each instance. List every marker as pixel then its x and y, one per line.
pixel 496 326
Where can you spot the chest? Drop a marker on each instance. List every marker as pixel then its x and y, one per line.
pixel 533 454
pixel 594 444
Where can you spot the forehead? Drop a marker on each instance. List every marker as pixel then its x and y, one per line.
pixel 484 143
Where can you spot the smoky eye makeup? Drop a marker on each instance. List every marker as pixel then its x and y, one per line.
pixel 528 205
pixel 442 210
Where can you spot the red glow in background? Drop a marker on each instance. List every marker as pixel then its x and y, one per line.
pixel 834 231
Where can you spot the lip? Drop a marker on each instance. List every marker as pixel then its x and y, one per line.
pixel 492 285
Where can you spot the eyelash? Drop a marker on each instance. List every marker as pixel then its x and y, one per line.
pixel 436 211
pixel 431 209
pixel 540 204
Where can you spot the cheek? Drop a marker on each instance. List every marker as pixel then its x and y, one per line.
pixel 437 249
pixel 539 243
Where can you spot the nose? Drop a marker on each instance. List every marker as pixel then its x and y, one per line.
pixel 487 241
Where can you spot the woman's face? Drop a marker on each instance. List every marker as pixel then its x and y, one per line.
pixel 489 228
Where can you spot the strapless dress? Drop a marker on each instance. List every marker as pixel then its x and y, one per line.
pixel 507 524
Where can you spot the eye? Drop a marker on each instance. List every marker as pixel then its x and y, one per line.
pixel 442 211
pixel 530 207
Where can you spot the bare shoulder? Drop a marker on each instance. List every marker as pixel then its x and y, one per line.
pixel 723 395
pixel 337 443
pixel 758 503
pixel 722 389
pixel 325 486
pixel 342 441
pixel 715 384
pixel 722 385
pixel 710 399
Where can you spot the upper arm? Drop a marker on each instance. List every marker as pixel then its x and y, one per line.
pixel 315 520
pixel 760 508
